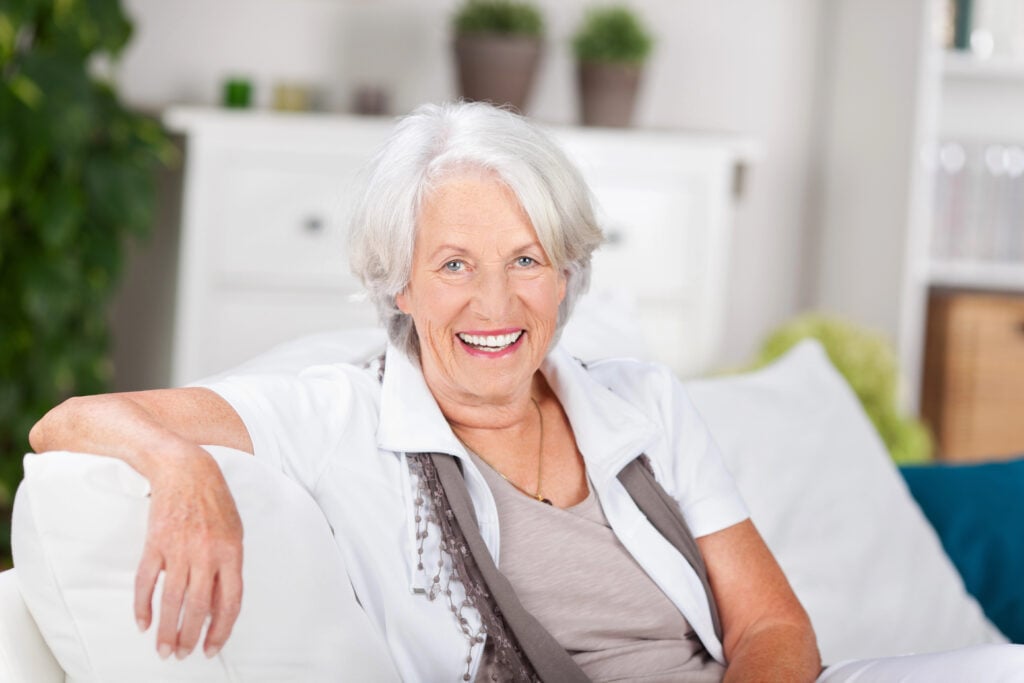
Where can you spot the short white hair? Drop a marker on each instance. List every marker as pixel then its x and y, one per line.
pixel 436 141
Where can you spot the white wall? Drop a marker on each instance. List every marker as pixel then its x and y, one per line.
pixel 745 66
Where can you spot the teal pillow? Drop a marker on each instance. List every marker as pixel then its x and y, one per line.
pixel 978 513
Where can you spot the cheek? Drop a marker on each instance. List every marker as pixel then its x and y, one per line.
pixel 545 298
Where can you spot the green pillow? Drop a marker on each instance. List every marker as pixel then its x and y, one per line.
pixel 978 513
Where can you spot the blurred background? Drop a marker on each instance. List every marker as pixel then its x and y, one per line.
pixel 875 196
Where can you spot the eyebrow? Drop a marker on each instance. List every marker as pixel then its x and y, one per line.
pixel 459 250
pixel 447 247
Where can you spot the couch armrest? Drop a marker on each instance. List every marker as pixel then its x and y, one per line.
pixel 24 655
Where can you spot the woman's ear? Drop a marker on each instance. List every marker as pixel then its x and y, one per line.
pixel 402 302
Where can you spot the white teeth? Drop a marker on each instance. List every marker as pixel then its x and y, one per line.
pixel 491 342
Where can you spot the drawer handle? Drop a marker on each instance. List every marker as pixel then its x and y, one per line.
pixel 313 225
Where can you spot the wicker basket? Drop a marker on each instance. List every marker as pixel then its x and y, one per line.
pixel 973 392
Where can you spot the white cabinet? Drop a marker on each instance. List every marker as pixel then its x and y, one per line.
pixel 891 96
pixel 263 233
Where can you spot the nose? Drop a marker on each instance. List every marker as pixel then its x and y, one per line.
pixel 492 295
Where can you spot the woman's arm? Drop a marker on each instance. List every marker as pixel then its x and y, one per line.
pixel 767 634
pixel 195 534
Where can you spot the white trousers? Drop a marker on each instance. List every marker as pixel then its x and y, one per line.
pixel 978 664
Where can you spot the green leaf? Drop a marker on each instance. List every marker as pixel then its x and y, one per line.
pixel 60 217
pixel 612 34
pixel 114 28
pixel 25 89
pixel 8 36
pixel 505 17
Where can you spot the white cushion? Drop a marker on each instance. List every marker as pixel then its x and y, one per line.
pixel 836 513
pixel 78 530
pixel 23 652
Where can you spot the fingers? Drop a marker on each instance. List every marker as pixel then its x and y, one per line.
pixel 187 600
pixel 145 583
pixel 195 540
pixel 197 607
pixel 175 581
pixel 227 603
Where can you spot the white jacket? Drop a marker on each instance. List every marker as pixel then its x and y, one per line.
pixel 344 436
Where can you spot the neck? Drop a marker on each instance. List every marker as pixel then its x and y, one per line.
pixel 469 411
pixel 496 432
pixel 466 413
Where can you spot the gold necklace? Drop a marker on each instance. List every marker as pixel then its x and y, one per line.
pixel 540 462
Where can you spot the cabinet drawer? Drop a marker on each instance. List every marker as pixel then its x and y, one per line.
pixel 281 218
pixel 656 201
pixel 973 392
pixel 649 249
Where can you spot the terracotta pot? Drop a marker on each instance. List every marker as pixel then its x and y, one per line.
pixel 607 92
pixel 497 69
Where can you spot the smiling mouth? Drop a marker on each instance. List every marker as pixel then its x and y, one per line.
pixel 490 343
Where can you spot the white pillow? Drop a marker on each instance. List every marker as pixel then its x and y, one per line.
pixel 78 530
pixel 823 492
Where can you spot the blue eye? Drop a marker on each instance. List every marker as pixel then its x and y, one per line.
pixel 454 266
pixel 525 261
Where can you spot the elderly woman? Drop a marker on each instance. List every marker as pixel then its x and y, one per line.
pixel 474 238
pixel 475 443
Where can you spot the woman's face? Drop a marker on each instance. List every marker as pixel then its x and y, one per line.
pixel 482 292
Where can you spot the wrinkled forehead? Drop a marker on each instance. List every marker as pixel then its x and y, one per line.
pixel 535 211
pixel 476 212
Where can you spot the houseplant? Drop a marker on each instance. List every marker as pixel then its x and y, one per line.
pixel 867 362
pixel 610 47
pixel 497 49
pixel 76 180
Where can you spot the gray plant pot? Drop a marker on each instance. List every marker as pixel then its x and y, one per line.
pixel 607 92
pixel 497 69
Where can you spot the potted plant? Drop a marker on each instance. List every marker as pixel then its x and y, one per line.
pixel 497 49
pixel 76 183
pixel 611 47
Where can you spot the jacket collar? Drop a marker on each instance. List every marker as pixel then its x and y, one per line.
pixel 609 431
pixel 410 419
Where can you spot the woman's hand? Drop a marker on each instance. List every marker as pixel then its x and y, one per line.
pixel 195 534
pixel 195 538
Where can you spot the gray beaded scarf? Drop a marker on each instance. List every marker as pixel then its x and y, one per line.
pixel 463 569
pixel 433 509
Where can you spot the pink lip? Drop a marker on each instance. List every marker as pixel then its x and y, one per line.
pixel 511 348
pixel 484 333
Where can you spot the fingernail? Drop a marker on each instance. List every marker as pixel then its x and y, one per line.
pixel 211 651
pixel 181 653
pixel 164 650
pixel 142 625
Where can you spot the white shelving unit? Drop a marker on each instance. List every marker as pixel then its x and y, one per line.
pixel 1000 277
pixel 966 66
pixel 893 95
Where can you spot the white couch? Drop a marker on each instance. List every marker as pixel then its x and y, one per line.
pixel 857 549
